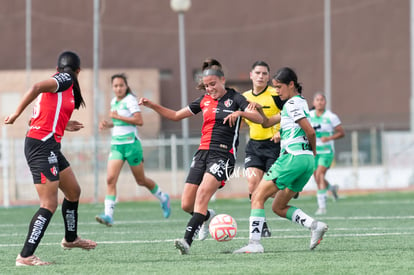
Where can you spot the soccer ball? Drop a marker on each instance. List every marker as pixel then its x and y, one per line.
pixel 223 228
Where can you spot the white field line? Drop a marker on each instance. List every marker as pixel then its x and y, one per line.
pixel 237 238
pixel 167 221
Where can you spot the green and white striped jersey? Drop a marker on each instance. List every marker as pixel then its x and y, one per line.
pixel 324 126
pixel 293 138
pixel 122 132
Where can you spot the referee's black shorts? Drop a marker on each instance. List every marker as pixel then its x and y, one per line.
pixel 261 154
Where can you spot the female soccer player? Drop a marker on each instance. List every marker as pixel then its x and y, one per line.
pixel 213 163
pixel 126 146
pixel 292 170
pixel 328 128
pixel 57 97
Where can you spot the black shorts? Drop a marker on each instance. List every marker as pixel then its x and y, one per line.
pixel 261 154
pixel 219 164
pixel 45 159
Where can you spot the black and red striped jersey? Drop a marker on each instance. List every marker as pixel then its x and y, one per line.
pixel 214 134
pixel 52 111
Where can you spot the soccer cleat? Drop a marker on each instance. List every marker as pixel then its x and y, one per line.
pixel 30 261
pixel 318 229
pixel 320 211
pixel 252 247
pixel 182 246
pixel 203 233
pixel 334 190
pixel 105 219
pixel 296 195
pixel 166 207
pixel 266 231
pixel 78 243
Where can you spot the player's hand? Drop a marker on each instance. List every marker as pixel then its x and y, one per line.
pixel 254 106
pixel 231 118
pixel 276 138
pixel 104 124
pixel 114 114
pixel 73 126
pixel 145 101
pixel 10 119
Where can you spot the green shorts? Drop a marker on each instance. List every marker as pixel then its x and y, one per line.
pixel 324 160
pixel 292 172
pixel 131 152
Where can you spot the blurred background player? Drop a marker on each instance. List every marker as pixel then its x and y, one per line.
pixel 328 128
pixel 292 170
pixel 263 147
pixel 125 116
pixel 213 163
pixel 56 97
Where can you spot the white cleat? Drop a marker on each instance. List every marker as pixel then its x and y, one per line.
pixel 182 246
pixel 203 233
pixel 253 247
pixel 318 229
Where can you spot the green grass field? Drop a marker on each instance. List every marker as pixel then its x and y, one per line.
pixel 368 234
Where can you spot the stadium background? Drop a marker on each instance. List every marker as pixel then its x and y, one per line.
pixel 370 44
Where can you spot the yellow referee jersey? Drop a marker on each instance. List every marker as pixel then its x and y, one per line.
pixel 272 105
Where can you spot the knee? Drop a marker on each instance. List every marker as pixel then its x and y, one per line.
pixel 187 207
pixel 277 210
pixel 74 194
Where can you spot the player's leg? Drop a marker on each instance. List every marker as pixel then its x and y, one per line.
pixel 254 175
pixel 155 189
pixel 322 192
pixel 205 191
pixel 293 179
pixel 257 218
pixel 71 189
pixel 113 170
pixel 43 163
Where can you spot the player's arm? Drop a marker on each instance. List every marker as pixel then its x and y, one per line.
pixel 166 112
pixel 45 86
pixel 339 133
pixel 252 115
pixel 135 119
pixel 73 126
pixel 267 121
pixel 309 131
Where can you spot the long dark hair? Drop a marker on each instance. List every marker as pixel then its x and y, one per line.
pixel 69 62
pixel 285 75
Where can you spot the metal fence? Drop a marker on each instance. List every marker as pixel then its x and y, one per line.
pixel 163 160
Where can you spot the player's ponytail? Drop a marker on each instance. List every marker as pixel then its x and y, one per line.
pixel 69 62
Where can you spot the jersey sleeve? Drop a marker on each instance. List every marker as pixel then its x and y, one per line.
pixel 294 110
pixel 279 103
pixel 241 101
pixel 132 105
pixel 335 120
pixel 195 106
pixel 63 81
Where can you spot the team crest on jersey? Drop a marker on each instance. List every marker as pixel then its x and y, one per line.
pixel 53 170
pixel 228 102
